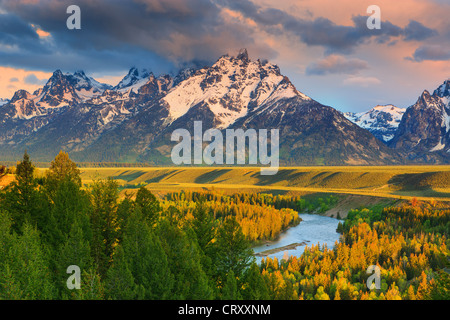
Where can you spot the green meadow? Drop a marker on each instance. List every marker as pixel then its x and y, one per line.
pixel 401 182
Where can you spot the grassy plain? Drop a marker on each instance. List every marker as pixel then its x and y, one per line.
pixel 399 182
pixel 356 185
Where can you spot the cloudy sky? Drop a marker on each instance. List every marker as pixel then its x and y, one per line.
pixel 323 46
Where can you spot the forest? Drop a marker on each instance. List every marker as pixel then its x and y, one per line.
pixel 198 245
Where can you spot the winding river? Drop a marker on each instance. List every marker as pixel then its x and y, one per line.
pixel 313 229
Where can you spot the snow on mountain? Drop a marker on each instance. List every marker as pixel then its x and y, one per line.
pixel 135 79
pixel 132 121
pixel 381 121
pixel 86 87
pixel 443 91
pixel 3 101
pixel 61 90
pixel 230 88
pixel 425 126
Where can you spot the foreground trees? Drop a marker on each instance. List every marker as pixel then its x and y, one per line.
pixel 198 245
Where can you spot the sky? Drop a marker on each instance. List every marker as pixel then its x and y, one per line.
pixel 323 46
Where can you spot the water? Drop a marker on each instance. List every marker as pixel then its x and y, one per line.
pixel 312 229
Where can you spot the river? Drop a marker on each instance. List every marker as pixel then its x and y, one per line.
pixel 312 229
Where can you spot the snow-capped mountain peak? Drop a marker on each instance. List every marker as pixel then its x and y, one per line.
pixel 231 88
pixel 135 79
pixel 443 92
pixel 425 126
pixel 3 101
pixel 82 81
pixel 382 120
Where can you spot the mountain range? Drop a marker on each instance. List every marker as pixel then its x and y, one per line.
pixel 381 121
pixel 133 121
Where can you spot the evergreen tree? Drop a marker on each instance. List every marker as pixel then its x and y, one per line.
pixel 21 197
pixel 232 252
pixel 230 289
pixel 120 283
pixel 75 250
pixel 25 267
pixel 70 205
pixel 105 227
pixel 62 169
pixel 190 280
pixel 203 226
pixel 91 287
pixel 144 256
pixel 255 287
pixel 440 290
pixel 148 204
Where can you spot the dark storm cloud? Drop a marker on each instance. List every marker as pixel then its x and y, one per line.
pixel 319 31
pixel 161 34
pixel 15 34
pixel 431 52
pixel 148 32
pixel 417 31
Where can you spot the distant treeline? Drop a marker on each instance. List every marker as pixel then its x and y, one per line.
pixel 87 164
pixel 305 204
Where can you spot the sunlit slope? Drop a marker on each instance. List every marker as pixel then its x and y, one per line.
pixel 414 181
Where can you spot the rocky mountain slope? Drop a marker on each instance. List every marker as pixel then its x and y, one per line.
pixel 424 131
pixel 381 121
pixel 133 121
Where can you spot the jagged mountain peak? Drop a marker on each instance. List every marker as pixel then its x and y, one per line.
pixel 80 81
pixel 243 55
pixel 443 90
pixel 425 94
pixel 57 73
pixel 132 121
pixel 79 73
pixel 20 94
pixel 134 79
pixel 231 88
pixel 424 131
pixel 382 120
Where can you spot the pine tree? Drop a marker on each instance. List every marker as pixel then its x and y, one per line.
pixel 62 169
pixel 91 287
pixel 26 267
pixel 120 283
pixel 21 198
pixel 230 288
pixel 184 256
pixel 440 290
pixel 70 205
pixel 255 287
pixel 232 252
pixel 148 204
pixel 105 225
pixel 75 250
pixel 145 258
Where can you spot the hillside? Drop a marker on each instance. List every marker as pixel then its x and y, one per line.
pixel 393 182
